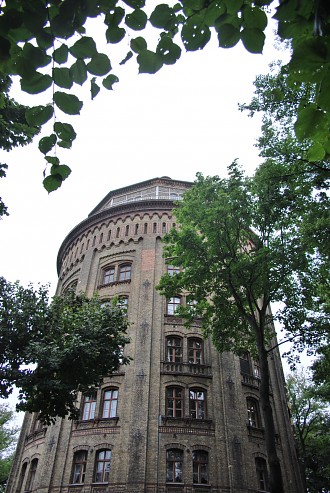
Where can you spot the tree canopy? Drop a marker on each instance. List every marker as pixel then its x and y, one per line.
pixel 311 420
pixel 239 249
pixel 8 438
pixel 50 47
pixel 71 343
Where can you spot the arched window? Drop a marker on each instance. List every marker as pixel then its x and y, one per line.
pixel 32 474
pixel 102 466
pixel 118 232
pixel 145 228
pixel 136 229
pixel 252 406
pixel 109 234
pixel 174 402
pixel 127 230
pixel 109 403
pixel 200 467
pixel 164 228
pixel 173 304
pixel 174 349
pixel 108 275
pixel 101 238
pixel 195 351
pixel 262 474
pixel 22 477
pixel 124 272
pixel 197 403
pixel 94 240
pixel 174 465
pixel 88 407
pixel 154 228
pixel 79 467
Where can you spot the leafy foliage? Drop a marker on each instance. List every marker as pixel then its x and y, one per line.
pixel 239 249
pixel 311 422
pixel 72 343
pixel 8 437
pixel 48 44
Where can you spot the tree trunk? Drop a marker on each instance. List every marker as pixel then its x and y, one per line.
pixel 275 474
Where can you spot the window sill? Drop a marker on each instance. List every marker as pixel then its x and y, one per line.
pixel 114 283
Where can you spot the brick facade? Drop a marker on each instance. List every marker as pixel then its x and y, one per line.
pixel 179 424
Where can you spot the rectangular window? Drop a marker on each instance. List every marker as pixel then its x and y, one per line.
pixel 197 404
pixel 172 270
pixel 195 351
pixel 174 349
pixel 200 467
pixel 174 402
pixel 79 467
pixel 102 466
pixel 173 304
pixel 174 460
pixel 108 275
pixel 109 406
pixel 125 272
pixel 89 404
pixel 262 474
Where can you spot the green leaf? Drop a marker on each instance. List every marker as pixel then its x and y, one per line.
pixel 213 12
pixel 95 89
pixel 137 20
pixel 114 18
pixel 127 57
pixel 115 34
pixel 68 103
pixel 316 152
pixel 52 159
pixel 161 16
pixel 99 65
pixel 254 17
pixel 169 51
pixel 60 55
pixel 109 81
pixel 311 122
pixel 253 40
pixel 37 57
pixel 62 77
pixel 323 97
pixel 60 169
pixel 64 131
pixel 135 4
pixel 52 182
pixel 47 143
pixel 233 6
pixel 138 44
pixel 195 33
pixel 228 36
pixel 38 115
pixel 149 62
pixel 309 55
pixel 78 72
pixel 84 48
pixel 36 84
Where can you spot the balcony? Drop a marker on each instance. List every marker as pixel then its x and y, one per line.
pixel 250 380
pixel 169 368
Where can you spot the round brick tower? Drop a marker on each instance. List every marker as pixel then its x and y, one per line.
pixel 181 418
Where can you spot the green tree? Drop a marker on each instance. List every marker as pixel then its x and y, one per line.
pixel 50 46
pixel 8 437
pixel 311 420
pixel 71 343
pixel 14 129
pixel 239 249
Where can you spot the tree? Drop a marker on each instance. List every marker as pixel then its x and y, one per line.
pixel 311 422
pixel 8 437
pixel 239 249
pixel 48 45
pixel 14 129
pixel 72 343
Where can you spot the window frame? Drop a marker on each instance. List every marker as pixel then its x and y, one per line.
pixel 32 474
pixel 197 406
pixel 171 465
pixel 108 275
pixel 172 269
pixel 199 463
pixel 79 459
pixel 111 409
pixel 196 359
pixel 177 411
pixel 124 272
pixel 89 402
pixel 105 473
pixel 253 412
pixel 174 352
pixel 261 474
pixel 172 304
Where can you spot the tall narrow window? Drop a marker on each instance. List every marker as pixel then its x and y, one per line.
pixel 244 361
pixel 109 234
pixel 174 463
pixel 164 228
pixel 195 351
pixel 102 466
pixel 79 467
pixel 32 474
pixel 22 477
pixel 200 467
pixel 173 304
pixel 117 232
pixel 94 240
pixel 145 228
pixel 123 303
pixel 253 412
pixel 125 272
pixel 262 474
pixel 174 349
pixel 109 404
pixel 88 409
pixel 127 230
pixel 174 402
pixel 136 229
pixel 101 238
pixel 108 275
pixel 197 403
pixel 154 228
pixel 87 244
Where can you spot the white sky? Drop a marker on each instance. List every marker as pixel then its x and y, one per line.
pixel 182 120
